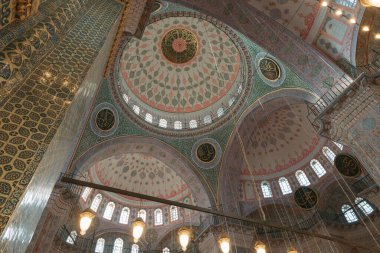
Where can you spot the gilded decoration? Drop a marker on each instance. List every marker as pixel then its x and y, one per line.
pixel 206 152
pixel 105 119
pixel 179 45
pixel 306 197
pixel 270 69
pixel 347 165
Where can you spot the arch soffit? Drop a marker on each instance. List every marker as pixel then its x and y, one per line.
pixel 163 152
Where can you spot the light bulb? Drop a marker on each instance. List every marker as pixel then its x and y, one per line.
pixel 377 36
pixel 338 12
pixel 85 221
pixel 225 244
pixel 138 227
pixel 365 28
pixel 260 247
pixel 369 3
pixel 352 21
pixel 324 3
pixel 185 236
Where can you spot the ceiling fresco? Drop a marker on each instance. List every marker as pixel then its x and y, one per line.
pixel 141 173
pixel 183 68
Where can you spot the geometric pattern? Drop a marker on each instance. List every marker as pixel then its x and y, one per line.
pixel 32 115
pixel 203 79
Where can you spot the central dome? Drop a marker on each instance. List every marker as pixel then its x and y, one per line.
pixel 184 73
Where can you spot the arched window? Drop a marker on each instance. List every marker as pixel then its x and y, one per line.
pixel 158 219
pixel 118 246
pixel 317 167
pixel 340 146
pixel 148 118
pixel 231 101
pixel 166 250
pixel 347 3
pixel 220 112
pixel 364 206
pixel 86 193
pixel 124 216
pixel 126 98
pixel 96 202
pixel 99 248
pixel 177 125
pixel 265 187
pixel 173 213
pixel 109 211
pixel 329 154
pixel 193 124
pixel 285 186
pixel 163 123
pixel 142 214
pixel 135 248
pixel 207 119
pixel 72 237
pixel 302 178
pixel 136 109
pixel 349 213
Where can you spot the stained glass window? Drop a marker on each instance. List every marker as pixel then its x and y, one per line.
pixel 265 187
pixel 158 219
pixel 124 216
pixel 109 211
pixel 349 213
pixel 118 246
pixel 317 167
pixel 96 202
pixel 285 186
pixel 174 213
pixel 142 214
pixel 302 178
pixel 99 248
pixel 86 193
pixel 135 248
pixel 71 238
pixel 329 154
pixel 364 206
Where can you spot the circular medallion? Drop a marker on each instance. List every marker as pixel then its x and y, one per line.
pixel 206 152
pixel 270 69
pixel 306 197
pixel 347 165
pixel 105 119
pixel 179 45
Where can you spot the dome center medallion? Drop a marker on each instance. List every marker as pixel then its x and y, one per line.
pixel 179 45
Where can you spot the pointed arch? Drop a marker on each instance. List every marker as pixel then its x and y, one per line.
pixel 340 146
pixel 124 216
pixel 166 250
pixel 364 206
pixel 99 248
pixel 349 213
pixel 109 211
pixel 285 186
pixel 302 178
pixel 317 167
pixel 96 202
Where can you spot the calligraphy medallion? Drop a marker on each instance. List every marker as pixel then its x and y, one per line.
pixel 306 197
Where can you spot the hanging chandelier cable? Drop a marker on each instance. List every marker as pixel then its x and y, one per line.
pixel 69 180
